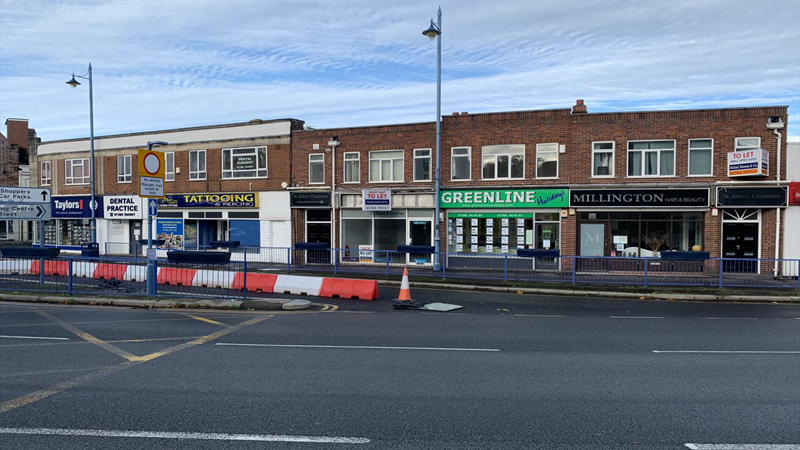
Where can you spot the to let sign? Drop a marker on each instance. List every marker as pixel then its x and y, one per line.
pixel 377 200
pixel 748 163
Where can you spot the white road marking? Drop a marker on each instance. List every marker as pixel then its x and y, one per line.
pixel 539 315
pixel 34 337
pixel 734 352
pixel 743 446
pixel 179 435
pixel 635 317
pixel 361 347
pixel 729 318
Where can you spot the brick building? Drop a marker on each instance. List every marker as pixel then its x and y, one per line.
pixel 221 182
pixel 591 184
pixel 14 171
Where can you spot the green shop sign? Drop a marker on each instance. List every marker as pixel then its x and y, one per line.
pixel 506 198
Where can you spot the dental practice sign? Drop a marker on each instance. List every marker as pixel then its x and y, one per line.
pixel 506 198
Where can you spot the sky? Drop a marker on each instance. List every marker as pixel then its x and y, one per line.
pixel 334 63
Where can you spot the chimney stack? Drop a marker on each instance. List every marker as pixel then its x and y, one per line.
pixel 579 107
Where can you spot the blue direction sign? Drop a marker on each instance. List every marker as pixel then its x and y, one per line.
pixel 152 207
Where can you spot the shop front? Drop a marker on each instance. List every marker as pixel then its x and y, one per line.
pixel 71 223
pixel 639 222
pixel 122 223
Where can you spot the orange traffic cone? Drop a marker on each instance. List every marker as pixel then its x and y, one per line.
pixel 405 289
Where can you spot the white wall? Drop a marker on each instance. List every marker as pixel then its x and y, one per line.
pixel 791 237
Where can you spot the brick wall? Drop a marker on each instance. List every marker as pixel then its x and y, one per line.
pixel 8 161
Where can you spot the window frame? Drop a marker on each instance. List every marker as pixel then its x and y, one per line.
pixel 689 157
pixel 674 158
pixel 736 143
pixel 49 179
pixel 201 174
pixel 85 166
pixel 358 167
pixel 233 171
pixel 414 165
pixel 613 151
pixel 469 163
pixel 510 165
pixel 125 178
pixel 558 149
pixel 402 165
pixel 322 161
pixel 167 172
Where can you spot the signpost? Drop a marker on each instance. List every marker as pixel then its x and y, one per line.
pixel 151 185
pixel 24 203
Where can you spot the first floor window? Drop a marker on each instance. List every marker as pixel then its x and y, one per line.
pixel 748 143
pixel 316 168
pixel 700 151
pixel 651 158
pixel 352 167
pixel 386 166
pixel 46 174
pixel 197 165
pixel 422 164
pixel 460 162
pixel 244 162
pixel 124 171
pixel 546 160
pixel 169 170
pixel 76 171
pixel 503 162
pixel 602 159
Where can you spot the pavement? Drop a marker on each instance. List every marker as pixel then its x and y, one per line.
pixel 506 372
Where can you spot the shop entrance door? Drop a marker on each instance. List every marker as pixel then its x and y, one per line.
pixel 593 243
pixel 206 232
pixel 419 233
pixel 740 240
pixel 134 234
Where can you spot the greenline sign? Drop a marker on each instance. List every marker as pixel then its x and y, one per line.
pixel 507 198
pixel 480 215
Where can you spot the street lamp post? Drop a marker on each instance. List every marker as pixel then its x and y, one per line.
pixel 74 83
pixel 435 32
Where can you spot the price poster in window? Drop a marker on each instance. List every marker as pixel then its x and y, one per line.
pixel 520 222
pixel 460 239
pixel 520 231
pixel 504 240
pixel 489 222
pixel 489 249
pixel 473 239
pixel 474 230
pixel 459 248
pixel 459 222
pixel 490 231
pixel 459 230
pixel 504 249
pixel 505 231
pixel 475 248
pixel 520 240
pixel 474 222
pixel 505 222
pixel 489 240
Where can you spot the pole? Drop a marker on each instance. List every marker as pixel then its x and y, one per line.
pixel 91 160
pixel 436 237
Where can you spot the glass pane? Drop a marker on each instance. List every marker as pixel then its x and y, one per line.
pixel 547 165
pixel 169 159
pixel 193 161
pixel 262 158
pixel 602 164
pixel 461 168
pixel 547 236
pixel 355 233
pixel 604 146
pixel 120 165
pixel 592 239
pixel 351 171
pixel 655 238
pixel 316 173
pixel 488 166
pixel 460 151
pixel 375 170
pixel 504 149
pixel 384 155
pixel 634 164
pixel 700 162
pixel 685 235
pixel 650 145
pixel 386 170
pixel 397 166
pixel 547 148
pixel 389 233
pixel 351 156
pixel 128 165
pixel 502 166
pixel 422 153
pixel 422 169
pixel 700 143
pixel 517 166
pixel 77 172
pixel 651 163
pixel 201 161
pixel 746 143
pixel 625 238
pixel 667 163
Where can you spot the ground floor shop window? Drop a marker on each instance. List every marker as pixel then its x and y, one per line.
pixel 635 234
pixel 68 233
pixel 364 234
pixel 502 233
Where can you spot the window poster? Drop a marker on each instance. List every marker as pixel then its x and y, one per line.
pixel 504 249
pixel 474 222
pixel 520 240
pixel 489 240
pixel 504 240
pixel 460 239
pixel 490 231
pixel 504 222
pixel 459 230
pixel 475 248
pixel 520 231
pixel 489 249
pixel 505 231
pixel 459 248
pixel 474 230
pixel 520 222
pixel 459 222
pixel 489 222
pixel 473 239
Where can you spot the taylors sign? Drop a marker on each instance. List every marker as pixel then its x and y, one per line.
pixel 748 162
pixel 123 207
pixel 76 207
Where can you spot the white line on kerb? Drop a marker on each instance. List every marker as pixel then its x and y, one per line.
pixel 539 315
pixel 743 446
pixel 635 317
pixel 361 347
pixel 729 318
pixel 734 352
pixel 178 435
pixel 34 337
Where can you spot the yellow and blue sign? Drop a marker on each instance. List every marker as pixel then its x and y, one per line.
pixel 223 200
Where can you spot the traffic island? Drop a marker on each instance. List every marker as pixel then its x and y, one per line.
pixel 189 303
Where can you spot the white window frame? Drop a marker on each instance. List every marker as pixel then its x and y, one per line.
pixel 547 152
pixel 496 165
pixel 689 158
pixel 321 160
pixel 46 181
pixel 414 166
pixel 357 160
pixel 231 172
pixel 197 175
pixel 169 175
pixel 469 163
pixel 69 179
pixel 658 165
pixel 127 163
pixel 402 164
pixel 613 151
pixel 737 147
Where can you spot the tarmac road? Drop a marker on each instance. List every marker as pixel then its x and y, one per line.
pixel 516 372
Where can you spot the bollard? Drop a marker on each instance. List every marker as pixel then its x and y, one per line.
pixel 505 268
pixel 387 263
pixel 335 261
pixel 244 281
pixel 645 272
pixel 289 260
pixel 41 271
pixel 69 277
pixel 574 268
pixel 719 268
pixel 152 278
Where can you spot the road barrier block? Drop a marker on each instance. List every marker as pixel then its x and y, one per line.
pixel 292 284
pixel 176 277
pixel 136 273
pixel 346 288
pixel 15 266
pixel 221 279
pixel 256 282
pixel 105 271
pixel 51 268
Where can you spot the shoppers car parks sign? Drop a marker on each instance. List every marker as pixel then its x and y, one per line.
pixel 227 200
pixel 508 198
pixel 639 198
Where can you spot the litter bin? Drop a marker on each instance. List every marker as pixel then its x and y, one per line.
pixel 90 249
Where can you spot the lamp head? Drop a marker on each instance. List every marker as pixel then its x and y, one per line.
pixel 73 82
pixel 432 31
pixel 334 142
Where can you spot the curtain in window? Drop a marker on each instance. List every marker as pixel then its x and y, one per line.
pixel 634 164
pixel 667 163
pixel 651 163
pixel 650 145
pixel 461 168
pixel 700 162
pixel 602 164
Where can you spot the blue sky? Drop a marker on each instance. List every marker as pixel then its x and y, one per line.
pixel 166 64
